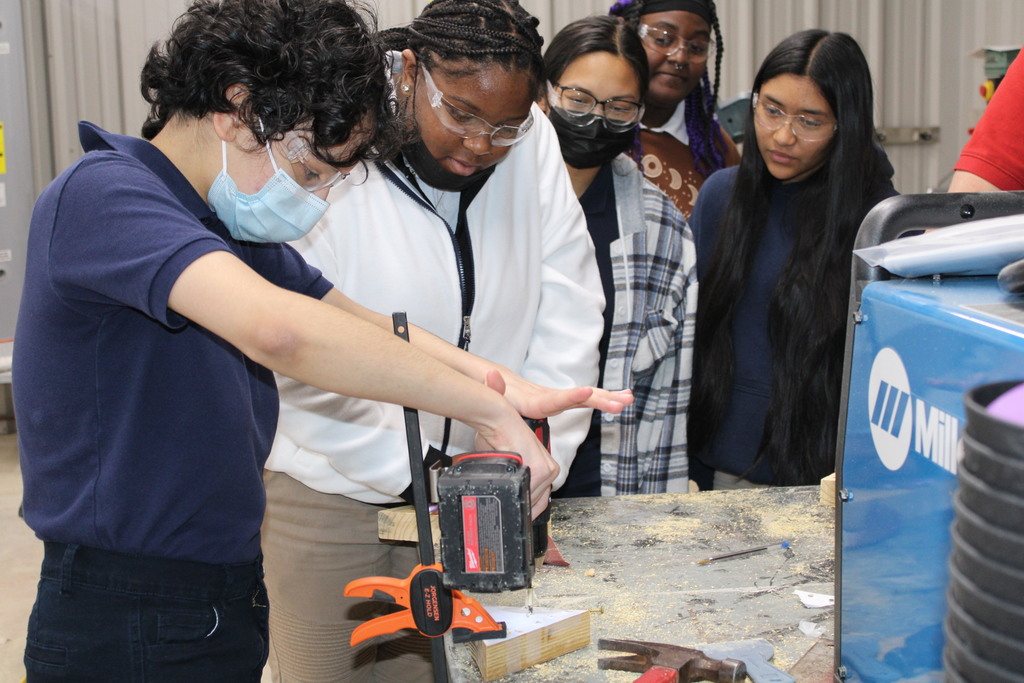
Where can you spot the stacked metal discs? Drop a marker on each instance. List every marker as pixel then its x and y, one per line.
pixel 985 617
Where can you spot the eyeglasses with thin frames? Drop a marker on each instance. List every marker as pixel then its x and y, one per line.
pixel 579 107
pixel 669 42
pixel 467 125
pixel 807 128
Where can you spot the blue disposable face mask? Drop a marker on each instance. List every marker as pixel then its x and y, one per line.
pixel 281 211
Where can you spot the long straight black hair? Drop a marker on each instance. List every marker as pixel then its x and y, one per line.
pixel 809 303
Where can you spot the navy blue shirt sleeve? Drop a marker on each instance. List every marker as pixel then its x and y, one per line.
pixel 122 244
pixel 139 431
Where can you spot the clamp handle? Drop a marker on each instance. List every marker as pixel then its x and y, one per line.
pixel 431 608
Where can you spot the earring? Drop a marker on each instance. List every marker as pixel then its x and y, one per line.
pixel 405 87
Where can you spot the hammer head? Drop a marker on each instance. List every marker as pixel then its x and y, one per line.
pixel 692 665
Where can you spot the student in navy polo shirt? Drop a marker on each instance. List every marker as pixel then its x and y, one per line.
pixel 159 299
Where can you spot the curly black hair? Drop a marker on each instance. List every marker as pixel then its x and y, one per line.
pixel 311 65
pixel 481 32
pixel 703 129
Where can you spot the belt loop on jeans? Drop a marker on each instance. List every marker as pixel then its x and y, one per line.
pixel 65 568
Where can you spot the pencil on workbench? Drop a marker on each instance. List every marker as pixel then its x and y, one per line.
pixel 748 551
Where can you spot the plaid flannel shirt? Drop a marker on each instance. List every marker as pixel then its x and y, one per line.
pixel 643 449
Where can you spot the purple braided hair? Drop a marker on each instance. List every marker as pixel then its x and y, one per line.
pixel 707 156
pixel 701 126
pixel 636 152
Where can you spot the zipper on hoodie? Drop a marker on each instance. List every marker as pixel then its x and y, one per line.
pixel 466 287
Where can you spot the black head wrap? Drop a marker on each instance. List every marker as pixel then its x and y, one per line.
pixel 697 7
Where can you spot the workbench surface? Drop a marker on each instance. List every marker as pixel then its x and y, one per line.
pixel 633 562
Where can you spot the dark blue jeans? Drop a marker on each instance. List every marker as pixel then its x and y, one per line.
pixel 104 616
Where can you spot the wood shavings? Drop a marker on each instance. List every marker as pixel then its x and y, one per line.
pixel 634 556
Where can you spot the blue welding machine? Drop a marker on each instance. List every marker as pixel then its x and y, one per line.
pixel 916 346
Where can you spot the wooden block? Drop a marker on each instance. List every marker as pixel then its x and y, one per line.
pixel 399 524
pixel 827 493
pixel 532 639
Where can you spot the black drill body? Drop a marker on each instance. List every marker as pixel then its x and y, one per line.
pixel 486 532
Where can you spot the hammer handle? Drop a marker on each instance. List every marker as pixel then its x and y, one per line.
pixel 659 674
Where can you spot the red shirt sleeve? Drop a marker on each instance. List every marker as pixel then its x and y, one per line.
pixel 995 151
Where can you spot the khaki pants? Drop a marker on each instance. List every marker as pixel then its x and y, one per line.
pixel 313 545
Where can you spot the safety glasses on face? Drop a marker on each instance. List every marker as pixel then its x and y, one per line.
pixel 579 107
pixel 807 128
pixel 466 125
pixel 311 173
pixel 668 42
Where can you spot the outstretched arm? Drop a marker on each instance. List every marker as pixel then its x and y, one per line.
pixel 332 349
pixel 531 400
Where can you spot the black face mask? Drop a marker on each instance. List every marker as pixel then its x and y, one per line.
pixel 591 145
pixel 432 173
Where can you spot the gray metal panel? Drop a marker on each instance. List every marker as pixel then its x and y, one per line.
pixel 82 43
pixel 392 13
pixel 553 14
pixel 38 94
pixel 144 23
pixel 17 192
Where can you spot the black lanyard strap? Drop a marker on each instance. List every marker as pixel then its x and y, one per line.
pixel 461 243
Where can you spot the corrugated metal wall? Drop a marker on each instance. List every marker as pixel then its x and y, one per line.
pixel 919 52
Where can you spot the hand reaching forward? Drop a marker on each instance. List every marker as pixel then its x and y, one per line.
pixel 536 401
pixel 514 436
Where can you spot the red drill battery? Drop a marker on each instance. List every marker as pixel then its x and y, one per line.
pixel 484 514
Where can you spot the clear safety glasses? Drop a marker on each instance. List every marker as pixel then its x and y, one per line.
pixel 466 125
pixel 311 173
pixel 580 107
pixel 807 128
pixel 669 42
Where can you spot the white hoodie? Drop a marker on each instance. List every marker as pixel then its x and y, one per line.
pixel 537 311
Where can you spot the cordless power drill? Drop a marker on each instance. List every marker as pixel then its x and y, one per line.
pixel 488 543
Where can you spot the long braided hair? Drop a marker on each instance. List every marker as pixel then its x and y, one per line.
pixel 703 129
pixel 474 32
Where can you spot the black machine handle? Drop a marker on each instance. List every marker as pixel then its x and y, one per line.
pixel 894 216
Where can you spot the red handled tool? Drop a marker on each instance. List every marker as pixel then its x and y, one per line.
pixel 662 663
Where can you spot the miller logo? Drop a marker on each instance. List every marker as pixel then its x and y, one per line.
pixel 900 420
